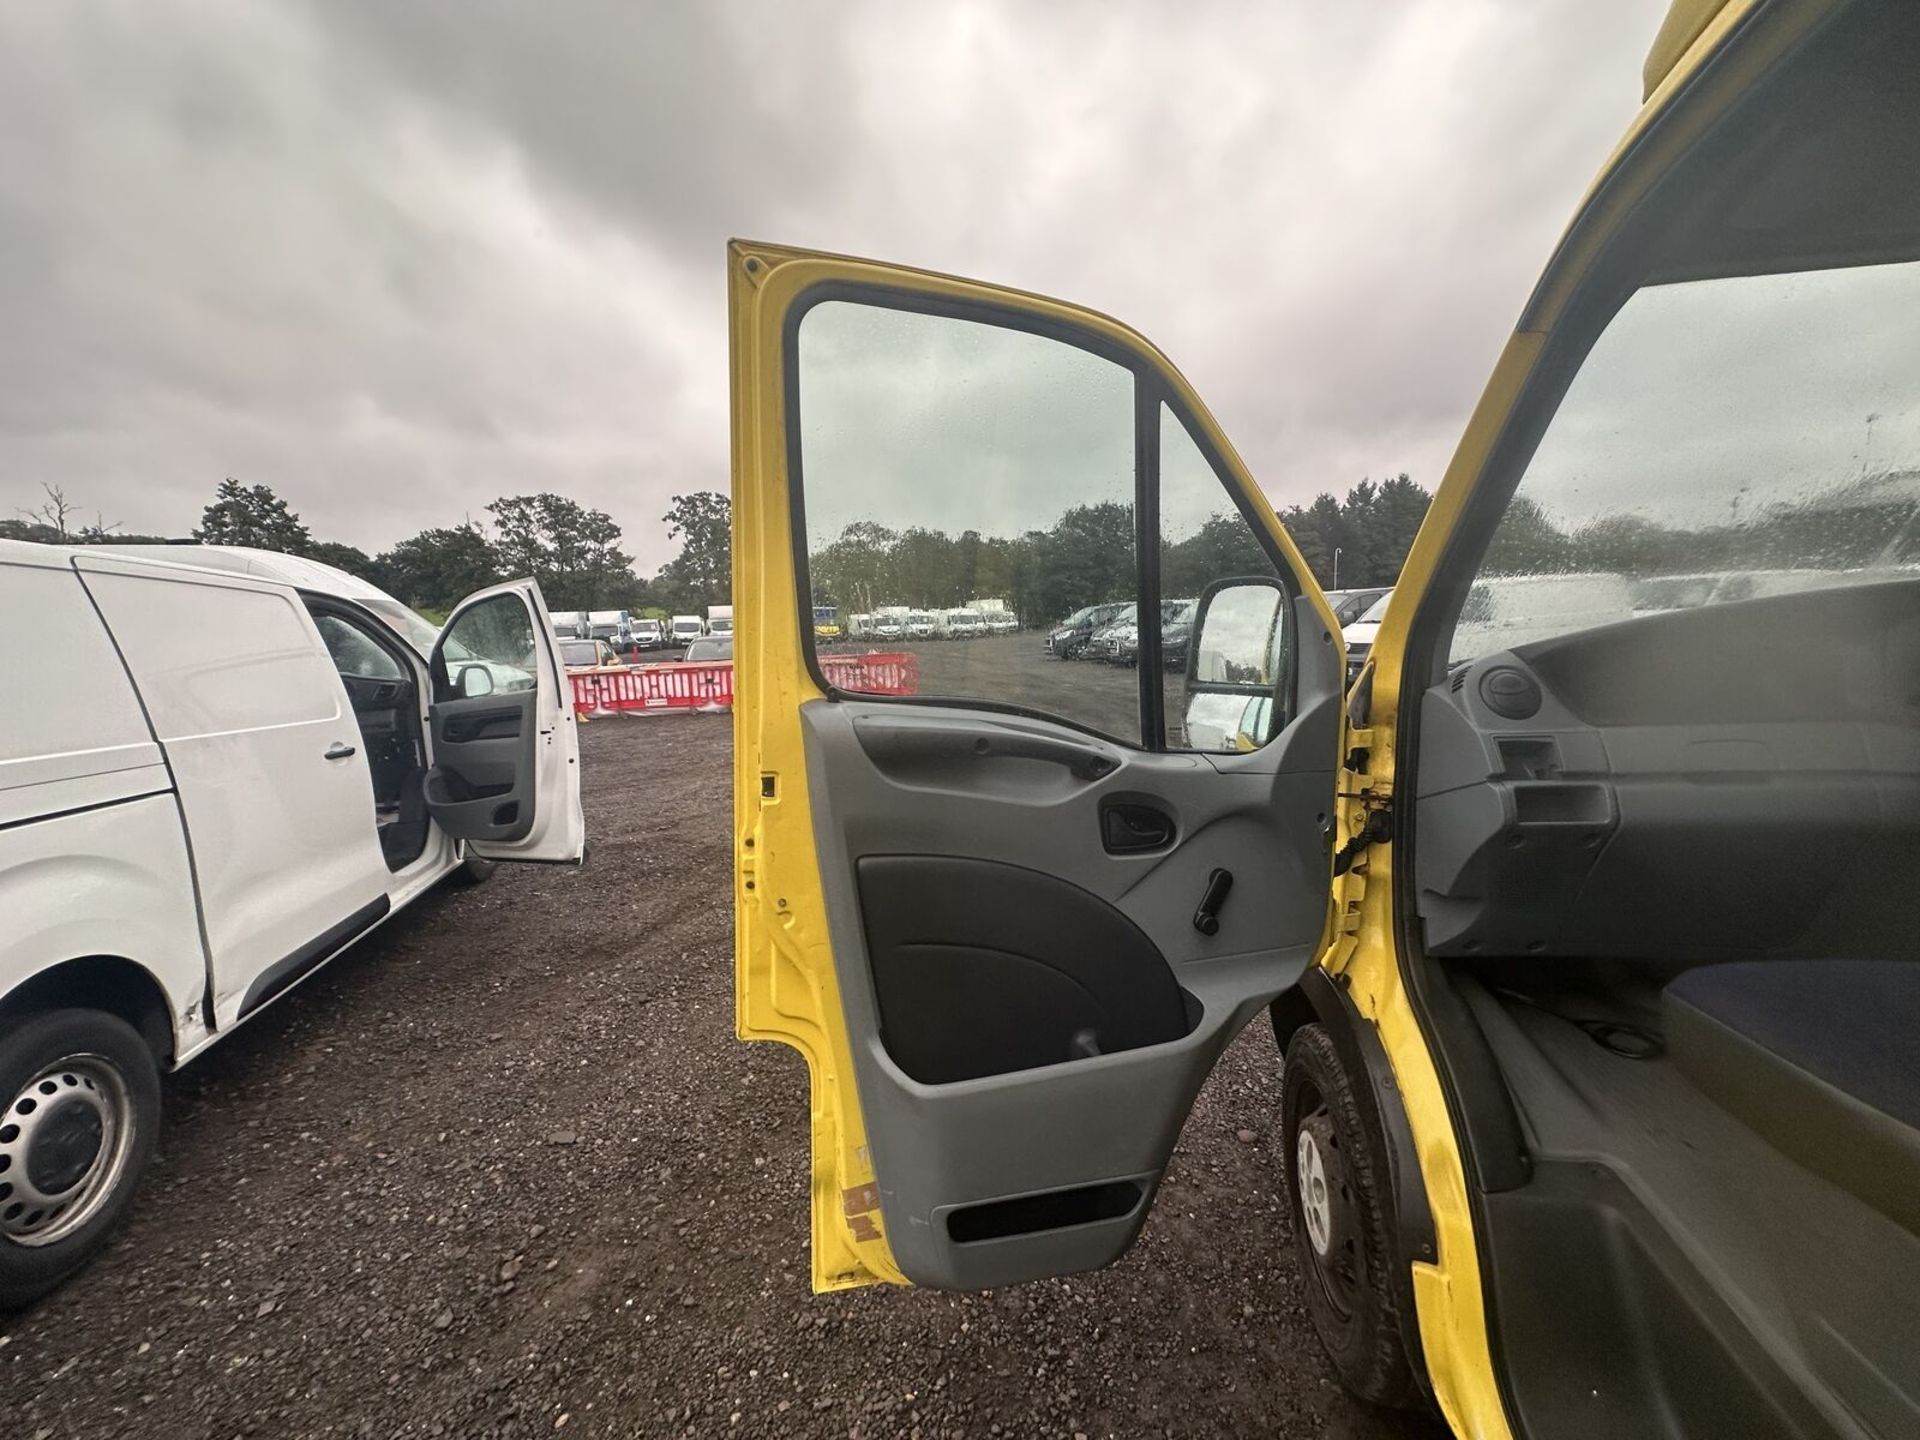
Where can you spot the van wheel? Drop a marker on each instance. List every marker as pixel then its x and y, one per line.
pixel 1337 1185
pixel 82 1097
pixel 470 872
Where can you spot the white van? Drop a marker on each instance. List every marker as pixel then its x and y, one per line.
pixel 687 628
pixel 214 778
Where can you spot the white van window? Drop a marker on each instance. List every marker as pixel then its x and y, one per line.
pixel 63 690
pixel 353 653
pixel 1725 440
pixel 496 635
pixel 212 659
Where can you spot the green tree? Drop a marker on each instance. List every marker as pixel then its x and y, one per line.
pixel 703 524
pixel 434 569
pixel 928 570
pixel 856 571
pixel 31 530
pixel 1222 547
pixel 1359 526
pixel 1085 559
pixel 1527 542
pixel 349 558
pixel 1318 530
pixel 1399 508
pixel 1622 545
pixel 252 515
pixel 572 551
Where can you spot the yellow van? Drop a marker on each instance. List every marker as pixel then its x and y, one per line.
pixel 1589 932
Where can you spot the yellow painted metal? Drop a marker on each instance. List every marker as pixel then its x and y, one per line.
pixel 784 983
pixel 1686 21
pixel 1361 946
pixel 1449 1296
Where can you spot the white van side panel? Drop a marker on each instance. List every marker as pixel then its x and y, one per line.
pixel 110 881
pixel 242 695
pixel 71 731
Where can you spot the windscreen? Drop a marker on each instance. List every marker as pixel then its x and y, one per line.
pixel 1726 440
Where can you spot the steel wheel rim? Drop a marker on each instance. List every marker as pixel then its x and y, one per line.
pixel 1334 1252
pixel 65 1137
pixel 1315 1204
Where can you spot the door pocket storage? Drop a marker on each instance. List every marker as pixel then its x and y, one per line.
pixel 1048 1210
pixel 981 968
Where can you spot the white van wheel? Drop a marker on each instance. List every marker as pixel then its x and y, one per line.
pixel 64 1142
pixel 82 1111
pixel 471 871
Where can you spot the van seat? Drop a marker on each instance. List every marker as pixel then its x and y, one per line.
pixel 1821 1057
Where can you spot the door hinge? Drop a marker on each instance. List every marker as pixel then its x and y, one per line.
pixel 1377 829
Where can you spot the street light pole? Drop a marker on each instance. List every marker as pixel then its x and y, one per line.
pixel 1336 568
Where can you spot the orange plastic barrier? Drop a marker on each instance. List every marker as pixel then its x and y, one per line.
pixel 879 672
pixel 708 685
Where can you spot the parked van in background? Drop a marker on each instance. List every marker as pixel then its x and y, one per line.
pixel 217 770
pixel 609 625
pixel 686 628
pixel 719 620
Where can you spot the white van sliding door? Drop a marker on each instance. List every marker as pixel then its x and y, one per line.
pixel 276 790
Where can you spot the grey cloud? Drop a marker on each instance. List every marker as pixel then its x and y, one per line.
pixel 398 259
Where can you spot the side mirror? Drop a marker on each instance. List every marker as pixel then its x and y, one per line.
pixel 475 682
pixel 1236 664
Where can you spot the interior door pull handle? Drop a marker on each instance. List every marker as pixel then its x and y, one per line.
pixel 895 740
pixel 338 751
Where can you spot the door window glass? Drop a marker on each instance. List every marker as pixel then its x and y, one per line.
pixel 1205 539
pixel 968 495
pixel 489 647
pixel 1725 440
pixel 353 653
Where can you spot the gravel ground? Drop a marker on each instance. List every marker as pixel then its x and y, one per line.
pixel 503 1171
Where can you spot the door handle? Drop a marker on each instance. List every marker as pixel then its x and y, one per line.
pixel 338 751
pixel 906 740
pixel 1128 827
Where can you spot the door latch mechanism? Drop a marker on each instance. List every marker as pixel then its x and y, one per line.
pixel 1377 830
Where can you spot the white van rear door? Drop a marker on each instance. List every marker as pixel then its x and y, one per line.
pixel 273 781
pixel 506 753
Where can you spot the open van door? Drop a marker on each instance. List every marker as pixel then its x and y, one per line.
pixel 1010 908
pixel 505 776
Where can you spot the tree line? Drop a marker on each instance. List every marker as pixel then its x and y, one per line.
pixel 1871 521
pixel 573 551
pixel 1087 556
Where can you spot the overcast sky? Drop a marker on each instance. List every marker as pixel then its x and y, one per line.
pixel 395 260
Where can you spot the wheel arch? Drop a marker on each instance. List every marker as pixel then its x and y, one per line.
pixel 1319 999
pixel 109 983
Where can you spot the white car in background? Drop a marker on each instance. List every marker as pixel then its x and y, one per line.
pixel 218 769
pixel 1508 610
pixel 1359 635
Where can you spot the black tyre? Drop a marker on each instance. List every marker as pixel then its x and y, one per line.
pixel 1337 1185
pixel 470 872
pixel 82 1098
